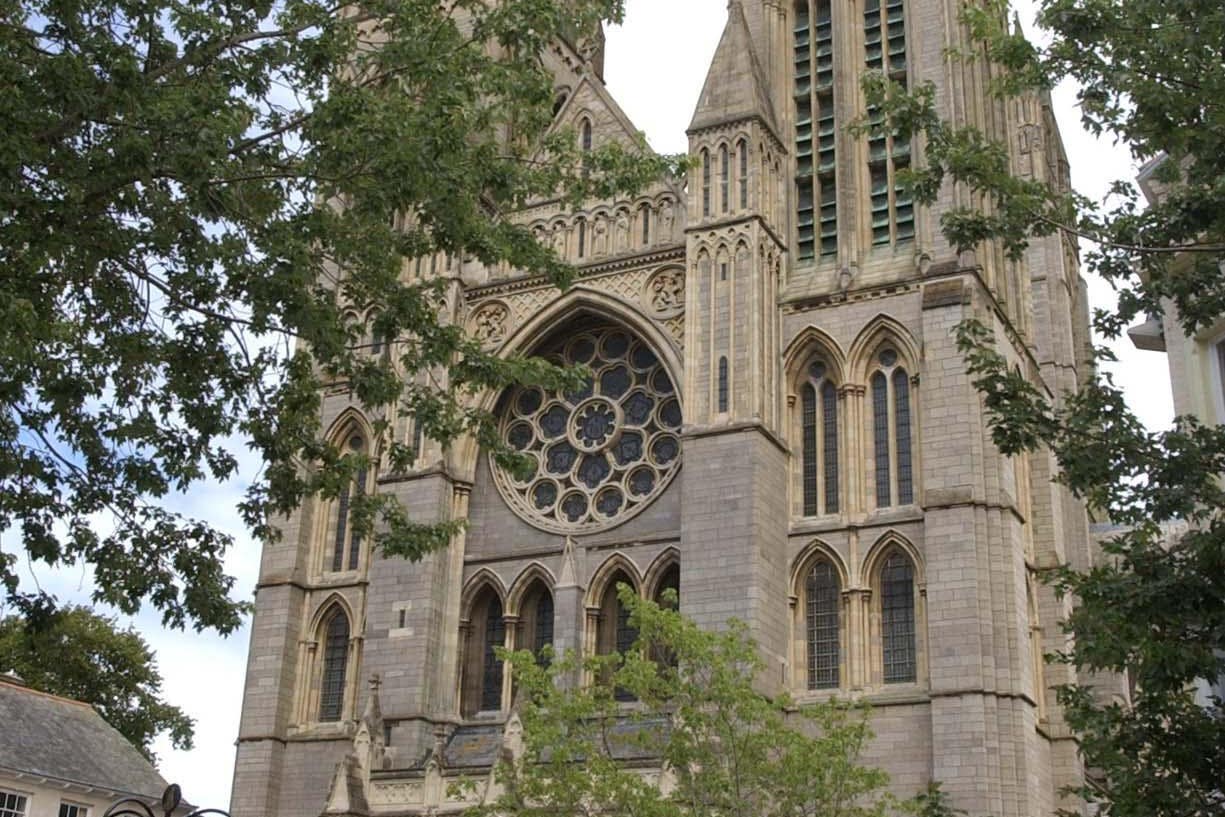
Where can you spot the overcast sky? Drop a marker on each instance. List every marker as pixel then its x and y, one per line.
pixel 655 67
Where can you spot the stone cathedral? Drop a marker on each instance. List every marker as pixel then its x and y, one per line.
pixel 779 427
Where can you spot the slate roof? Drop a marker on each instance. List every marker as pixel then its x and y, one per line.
pixel 62 739
pixel 478 745
pixel 735 85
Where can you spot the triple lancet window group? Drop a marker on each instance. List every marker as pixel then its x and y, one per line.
pixel 825 102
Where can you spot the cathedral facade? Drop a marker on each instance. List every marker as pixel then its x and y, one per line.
pixel 779 427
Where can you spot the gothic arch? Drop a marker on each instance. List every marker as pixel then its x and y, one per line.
pixel 579 301
pixel 476 583
pixel 323 612
pixel 350 418
pixel 880 330
pixel 814 551
pixel 889 541
pixel 650 579
pixel 807 343
pixel 523 583
pixel 617 562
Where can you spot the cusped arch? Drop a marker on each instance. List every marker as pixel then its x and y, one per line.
pixel 534 572
pixel 616 563
pixel 478 582
pixel 335 602
pixel 346 422
pixel 880 330
pixel 650 580
pixel 887 543
pixel 811 342
pixel 815 551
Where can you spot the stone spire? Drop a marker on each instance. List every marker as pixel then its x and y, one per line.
pixel 736 86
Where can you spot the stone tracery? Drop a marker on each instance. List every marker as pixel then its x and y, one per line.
pixel 600 453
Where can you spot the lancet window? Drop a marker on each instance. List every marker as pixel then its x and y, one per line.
pixel 822 599
pixel 345 542
pixel 897 619
pixel 891 431
pixel 819 441
pixel 334 666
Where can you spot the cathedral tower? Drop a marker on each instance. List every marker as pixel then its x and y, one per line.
pixel 780 428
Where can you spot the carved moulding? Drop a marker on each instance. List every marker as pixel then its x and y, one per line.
pixel 663 294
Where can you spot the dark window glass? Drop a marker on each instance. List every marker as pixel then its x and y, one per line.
pixel 829 428
pixel 823 599
pixel 744 175
pixel 725 173
pixel 815 130
pixel 491 671
pixel 723 385
pixel 880 434
pixel 342 520
pixel 12 804
pixel 705 183
pixel 808 420
pixel 544 622
pixel 646 225
pixel 66 810
pixel 335 660
pixel 582 239
pixel 586 136
pixel 897 619
pixel 901 422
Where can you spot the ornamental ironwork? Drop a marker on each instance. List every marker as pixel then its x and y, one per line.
pixel 601 453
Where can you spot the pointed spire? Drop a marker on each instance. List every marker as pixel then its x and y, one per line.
pixel 735 84
pixel 569 568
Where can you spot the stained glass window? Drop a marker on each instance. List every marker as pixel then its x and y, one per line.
pixel 880 437
pixel 598 453
pixel 901 425
pixel 808 421
pixel 335 661
pixel 544 622
pixel 345 541
pixel 744 175
pixel 897 619
pixel 491 669
pixel 823 598
pixel 725 174
pixel 705 183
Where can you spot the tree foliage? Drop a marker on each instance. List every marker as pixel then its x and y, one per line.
pixel 699 740
pixel 210 210
pixel 84 656
pixel 1150 75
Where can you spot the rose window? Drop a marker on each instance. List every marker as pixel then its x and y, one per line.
pixel 602 452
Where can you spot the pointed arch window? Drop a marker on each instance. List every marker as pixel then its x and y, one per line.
pixel 705 183
pixel 744 174
pixel 815 130
pixel 819 441
pixel 897 619
pixel 346 543
pixel 891 431
pixel 725 177
pixel 536 620
pixel 615 633
pixel 892 209
pixel 723 385
pixel 822 599
pixel 334 666
pixel 669 580
pixel 483 671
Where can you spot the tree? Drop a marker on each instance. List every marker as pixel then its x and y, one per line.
pixel 210 210
pixel 1149 74
pixel 721 748
pixel 84 656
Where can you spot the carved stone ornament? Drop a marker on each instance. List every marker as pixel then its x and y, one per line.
pixel 490 323
pixel 664 293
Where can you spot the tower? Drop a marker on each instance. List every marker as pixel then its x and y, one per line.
pixel 779 426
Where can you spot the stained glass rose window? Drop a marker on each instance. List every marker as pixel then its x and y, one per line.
pixel 602 452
